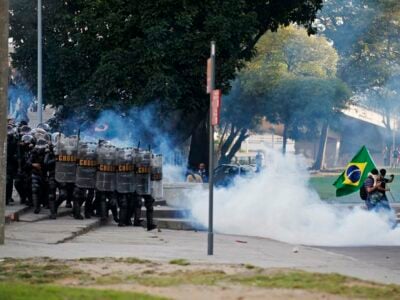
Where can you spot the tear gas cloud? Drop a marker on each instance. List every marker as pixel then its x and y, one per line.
pixel 279 204
pixel 19 100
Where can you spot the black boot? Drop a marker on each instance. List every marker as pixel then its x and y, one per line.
pixel 36 203
pixel 77 210
pixel 150 221
pixel 53 209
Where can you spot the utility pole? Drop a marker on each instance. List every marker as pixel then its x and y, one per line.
pixel 211 153
pixel 3 109
pixel 39 61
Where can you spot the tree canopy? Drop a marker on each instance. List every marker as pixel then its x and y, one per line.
pixel 292 81
pixel 120 53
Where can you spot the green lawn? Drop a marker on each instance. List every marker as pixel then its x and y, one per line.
pixel 324 186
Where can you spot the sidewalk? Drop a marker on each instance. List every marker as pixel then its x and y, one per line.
pixel 112 241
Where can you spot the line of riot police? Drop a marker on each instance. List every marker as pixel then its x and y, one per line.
pixel 98 176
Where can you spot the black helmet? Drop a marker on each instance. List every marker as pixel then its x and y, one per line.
pixel 25 129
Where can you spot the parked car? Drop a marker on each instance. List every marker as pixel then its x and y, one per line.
pixel 225 174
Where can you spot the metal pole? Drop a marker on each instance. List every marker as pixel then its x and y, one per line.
pixel 3 110
pixel 39 60
pixel 211 159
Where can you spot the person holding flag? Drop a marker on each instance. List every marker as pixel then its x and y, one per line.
pixel 362 174
pixel 356 172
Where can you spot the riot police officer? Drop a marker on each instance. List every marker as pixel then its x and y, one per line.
pixel 65 171
pixel 143 187
pixel 22 182
pixel 125 185
pixel 105 181
pixel 38 168
pixel 85 182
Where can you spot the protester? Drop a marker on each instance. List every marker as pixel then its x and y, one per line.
pixel 259 160
pixel 384 181
pixel 203 172
pixel 375 191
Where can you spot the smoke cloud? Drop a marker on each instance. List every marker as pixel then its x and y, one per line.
pixel 280 204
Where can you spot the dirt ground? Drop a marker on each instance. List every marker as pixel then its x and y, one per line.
pixel 117 271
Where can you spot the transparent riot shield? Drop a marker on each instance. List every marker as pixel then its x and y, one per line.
pixel 156 177
pixel 125 175
pixel 66 155
pixel 87 165
pixel 105 176
pixel 142 172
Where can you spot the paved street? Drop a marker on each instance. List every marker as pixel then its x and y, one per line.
pixel 67 238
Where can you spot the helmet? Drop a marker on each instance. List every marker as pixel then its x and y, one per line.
pixel 10 129
pixel 28 139
pixel 44 126
pixel 25 129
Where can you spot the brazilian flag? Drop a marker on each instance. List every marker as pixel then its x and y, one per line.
pixel 356 172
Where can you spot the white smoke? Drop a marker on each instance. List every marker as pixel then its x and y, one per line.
pixel 279 204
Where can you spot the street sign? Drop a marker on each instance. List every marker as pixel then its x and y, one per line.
pixel 216 107
pixel 209 76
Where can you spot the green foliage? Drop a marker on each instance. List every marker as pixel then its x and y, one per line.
pixel 293 81
pixel 104 54
pixel 179 262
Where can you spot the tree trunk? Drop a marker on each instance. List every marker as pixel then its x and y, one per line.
pixel 3 109
pixel 237 145
pixel 319 161
pixel 284 141
pixel 198 152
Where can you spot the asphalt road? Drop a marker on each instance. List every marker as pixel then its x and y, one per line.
pixel 382 256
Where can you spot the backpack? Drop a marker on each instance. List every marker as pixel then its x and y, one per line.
pixel 363 191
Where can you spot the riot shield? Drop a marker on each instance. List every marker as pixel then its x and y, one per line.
pixel 156 177
pixel 125 171
pixel 66 153
pixel 105 176
pixel 142 172
pixel 87 165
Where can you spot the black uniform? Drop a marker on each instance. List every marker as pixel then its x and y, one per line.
pixel 39 172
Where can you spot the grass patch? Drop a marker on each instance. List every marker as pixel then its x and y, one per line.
pixel 179 262
pixel 41 271
pixel 327 283
pixel 133 260
pixel 17 291
pixel 201 277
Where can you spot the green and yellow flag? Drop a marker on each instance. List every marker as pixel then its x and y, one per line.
pixel 355 173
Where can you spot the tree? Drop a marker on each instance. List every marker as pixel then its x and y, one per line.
pixel 294 75
pixel 369 48
pixel 122 53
